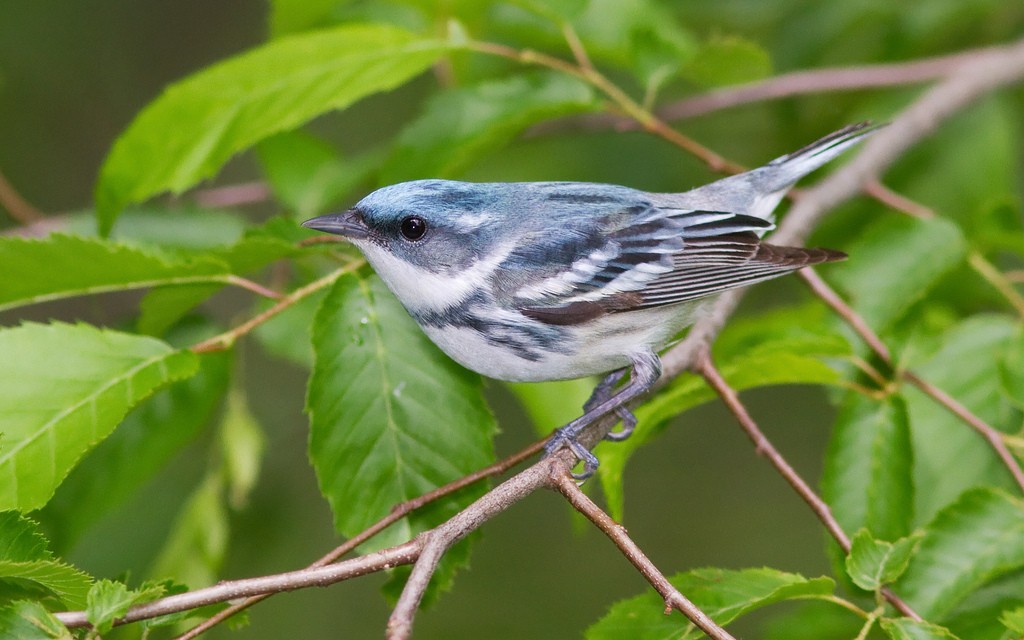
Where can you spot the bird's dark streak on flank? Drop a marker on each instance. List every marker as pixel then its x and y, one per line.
pixel 528 340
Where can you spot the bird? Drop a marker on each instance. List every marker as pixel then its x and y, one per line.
pixel 538 281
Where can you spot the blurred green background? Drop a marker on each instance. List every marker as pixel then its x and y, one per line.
pixel 73 75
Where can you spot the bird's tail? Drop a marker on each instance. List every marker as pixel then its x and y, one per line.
pixel 783 172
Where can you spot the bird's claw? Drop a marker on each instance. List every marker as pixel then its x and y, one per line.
pixel 564 437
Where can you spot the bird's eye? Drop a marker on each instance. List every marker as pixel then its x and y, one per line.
pixel 413 227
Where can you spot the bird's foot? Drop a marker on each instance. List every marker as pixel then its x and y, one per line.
pixel 568 436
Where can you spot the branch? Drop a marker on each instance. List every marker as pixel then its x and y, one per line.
pixel 19 208
pixel 225 340
pixel 396 514
pixel 786 85
pixel 617 533
pixel 991 435
pixel 706 368
pixel 232 589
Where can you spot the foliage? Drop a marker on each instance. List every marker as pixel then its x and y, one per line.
pixel 92 410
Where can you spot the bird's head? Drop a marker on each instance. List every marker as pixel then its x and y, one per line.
pixel 422 233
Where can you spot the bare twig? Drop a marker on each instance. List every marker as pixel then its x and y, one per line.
pixel 782 86
pixel 706 368
pixel 970 79
pixel 229 590
pixel 233 195
pixel 436 541
pixel 991 435
pixel 617 533
pixel 396 514
pixel 877 190
pixel 225 340
pixel 19 208
pixel 998 280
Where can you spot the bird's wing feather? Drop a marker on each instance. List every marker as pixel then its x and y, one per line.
pixel 663 256
pixel 631 249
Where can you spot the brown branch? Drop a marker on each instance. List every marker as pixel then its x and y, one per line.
pixel 233 195
pixel 225 340
pixel 706 368
pixel 397 513
pixel 231 589
pixel 785 85
pixel 19 208
pixel 991 435
pixel 567 486
pixel 970 80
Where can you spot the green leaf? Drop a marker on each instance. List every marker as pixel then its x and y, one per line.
pixel 907 629
pixel 143 443
pixel 242 442
pixel 1011 369
pixel 897 245
pixel 286 335
pixel 812 620
pixel 28 569
pixel 868 475
pixel 977 616
pixel 183 226
pixel 291 16
pixel 61 266
pixel 555 10
pixel 977 538
pixel 200 122
pixel 26 620
pixel 639 35
pixel 552 404
pixel 306 174
pixel 1014 620
pixel 198 540
pixel 109 600
pixel 873 563
pixel 727 60
pixel 460 125
pixel 722 594
pixel 391 417
pixel 65 388
pixel 161 308
pixel 966 366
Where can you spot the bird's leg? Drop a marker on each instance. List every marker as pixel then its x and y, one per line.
pixel 602 392
pixel 646 369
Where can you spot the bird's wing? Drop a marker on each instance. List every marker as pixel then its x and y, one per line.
pixel 663 256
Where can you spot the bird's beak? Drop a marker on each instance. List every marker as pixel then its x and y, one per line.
pixel 348 223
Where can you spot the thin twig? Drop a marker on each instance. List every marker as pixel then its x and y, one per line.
pixel 782 86
pixel 398 512
pixel 991 435
pixel 567 486
pixel 877 190
pixel 438 540
pixel 232 589
pixel 706 368
pixel 225 340
pixel 1000 282
pixel 19 208
pixel 233 195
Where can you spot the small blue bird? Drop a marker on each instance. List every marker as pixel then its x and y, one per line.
pixel 538 281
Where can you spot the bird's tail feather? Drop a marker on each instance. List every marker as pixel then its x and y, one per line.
pixel 783 172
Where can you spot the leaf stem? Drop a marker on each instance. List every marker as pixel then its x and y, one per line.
pixel 997 279
pixel 225 340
